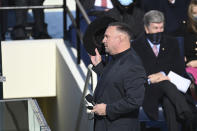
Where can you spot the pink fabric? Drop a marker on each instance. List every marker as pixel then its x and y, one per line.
pixel 104 3
pixel 193 71
pixel 155 50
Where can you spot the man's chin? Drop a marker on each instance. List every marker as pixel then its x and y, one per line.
pixel 106 50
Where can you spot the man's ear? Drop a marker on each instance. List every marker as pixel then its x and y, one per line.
pixel 120 38
pixel 146 29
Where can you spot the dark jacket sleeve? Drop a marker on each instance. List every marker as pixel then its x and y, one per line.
pixel 87 4
pixel 98 68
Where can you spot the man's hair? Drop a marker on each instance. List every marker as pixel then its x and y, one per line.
pixel 123 27
pixel 153 16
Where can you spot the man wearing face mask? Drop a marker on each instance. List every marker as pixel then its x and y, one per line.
pixel 126 11
pixel 175 12
pixel 160 55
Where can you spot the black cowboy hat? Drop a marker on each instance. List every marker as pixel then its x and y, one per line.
pixel 94 34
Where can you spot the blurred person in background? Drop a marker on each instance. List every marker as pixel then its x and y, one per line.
pixel 175 12
pixel 96 7
pixel 160 54
pixel 3 19
pixel 190 45
pixel 128 12
pixel 190 36
pixel 39 27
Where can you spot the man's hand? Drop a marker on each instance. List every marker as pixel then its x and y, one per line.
pixel 96 59
pixel 192 63
pixel 100 109
pixel 157 77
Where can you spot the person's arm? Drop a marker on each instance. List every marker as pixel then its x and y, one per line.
pixel 98 69
pixel 97 62
pixel 157 77
pixel 192 63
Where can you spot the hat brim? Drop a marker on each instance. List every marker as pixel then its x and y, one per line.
pixel 94 35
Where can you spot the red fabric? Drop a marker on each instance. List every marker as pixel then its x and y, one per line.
pixel 104 3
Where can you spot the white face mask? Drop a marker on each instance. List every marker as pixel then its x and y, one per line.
pixel 195 17
pixel 125 2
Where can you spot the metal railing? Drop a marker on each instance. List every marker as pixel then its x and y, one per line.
pixel 31 7
pixel 64 6
pixel 83 12
pixel 79 36
pixel 36 114
pixel 80 9
pixel 66 10
pixel 84 93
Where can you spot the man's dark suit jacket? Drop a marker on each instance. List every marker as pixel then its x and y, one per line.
pixel 87 4
pixel 168 59
pixel 121 87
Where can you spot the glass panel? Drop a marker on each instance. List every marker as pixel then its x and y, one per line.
pixel 14 115
pixel 21 115
pixel 37 121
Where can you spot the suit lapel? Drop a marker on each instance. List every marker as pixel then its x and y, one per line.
pixel 147 49
pixel 163 48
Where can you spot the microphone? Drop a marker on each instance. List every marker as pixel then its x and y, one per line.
pixel 90 107
pixel 89 98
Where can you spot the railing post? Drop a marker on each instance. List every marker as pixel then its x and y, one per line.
pixel 1 84
pixel 78 39
pixel 82 104
pixel 64 19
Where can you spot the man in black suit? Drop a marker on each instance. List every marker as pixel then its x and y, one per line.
pixel 96 7
pixel 39 30
pixel 120 89
pixel 128 13
pixel 175 12
pixel 87 4
pixel 160 55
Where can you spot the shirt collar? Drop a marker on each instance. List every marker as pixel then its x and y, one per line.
pixel 117 56
pixel 151 44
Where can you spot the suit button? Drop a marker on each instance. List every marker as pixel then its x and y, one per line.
pixel 195 49
pixel 184 21
pixel 196 42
